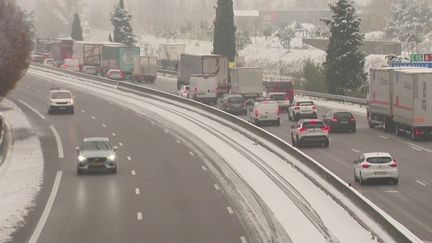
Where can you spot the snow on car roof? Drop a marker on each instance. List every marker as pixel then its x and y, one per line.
pixel 375 154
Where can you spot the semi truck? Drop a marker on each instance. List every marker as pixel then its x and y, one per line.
pixel 213 65
pixel 246 81
pixel 60 49
pixel 400 101
pixel 87 53
pixel 119 57
pixel 145 69
pixel 169 55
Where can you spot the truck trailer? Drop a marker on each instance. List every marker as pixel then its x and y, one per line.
pixel 87 53
pixel 169 55
pixel 145 69
pixel 119 57
pixel 246 81
pixel 213 65
pixel 60 49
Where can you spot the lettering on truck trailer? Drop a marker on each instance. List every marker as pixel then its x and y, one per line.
pixel 128 57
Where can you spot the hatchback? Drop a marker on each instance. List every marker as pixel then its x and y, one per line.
pixel 376 165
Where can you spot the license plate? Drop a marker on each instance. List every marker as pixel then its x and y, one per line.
pixel 263 117
pixel 380 173
pixel 344 122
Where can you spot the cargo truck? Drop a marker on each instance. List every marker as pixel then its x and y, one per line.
pixel 60 49
pixel 274 84
pixel 87 53
pixel 246 81
pixel 169 55
pixel 400 100
pixel 119 57
pixel 213 65
pixel 145 69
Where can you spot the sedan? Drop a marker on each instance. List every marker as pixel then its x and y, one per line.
pixel 376 165
pixel 340 121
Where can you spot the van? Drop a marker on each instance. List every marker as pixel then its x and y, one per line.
pixel 71 65
pixel 203 88
pixel 265 112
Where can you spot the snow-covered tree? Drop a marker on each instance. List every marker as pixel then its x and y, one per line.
pixel 285 35
pixel 15 45
pixel 242 39
pixel 410 20
pixel 344 65
pixel 224 41
pixel 77 32
pixel 120 19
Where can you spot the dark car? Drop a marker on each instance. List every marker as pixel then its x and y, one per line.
pixel 235 104
pixel 340 121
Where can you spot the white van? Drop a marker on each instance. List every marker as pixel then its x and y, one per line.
pixel 265 112
pixel 71 65
pixel 203 88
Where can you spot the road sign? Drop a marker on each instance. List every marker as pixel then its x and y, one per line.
pixel 416 58
pixel 428 57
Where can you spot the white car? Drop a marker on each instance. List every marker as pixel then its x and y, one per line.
pixel 60 100
pixel 376 165
pixel 183 91
pixel 49 62
pixel 96 153
pixel 302 109
pixel 310 131
pixel 265 112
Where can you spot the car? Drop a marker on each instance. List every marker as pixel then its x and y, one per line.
pixel 233 103
pixel 60 100
pixel 37 58
pixel 115 74
pixel 376 165
pixel 280 98
pixel 340 121
pixel 71 64
pixel 49 62
pixel 91 70
pixel 310 131
pixel 96 153
pixel 302 109
pixel 183 91
pixel 265 112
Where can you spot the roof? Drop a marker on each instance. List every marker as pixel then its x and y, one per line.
pixel 96 139
pixel 373 154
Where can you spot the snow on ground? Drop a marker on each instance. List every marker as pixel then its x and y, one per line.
pixel 265 172
pixel 21 174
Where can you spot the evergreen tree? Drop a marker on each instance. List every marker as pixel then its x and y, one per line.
pixel 344 65
pixel 77 32
pixel 120 19
pixel 224 40
pixel 15 45
pixel 313 74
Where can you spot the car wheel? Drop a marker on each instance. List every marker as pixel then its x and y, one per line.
pixel 292 141
pixel 354 130
pixel 49 111
pixel 278 123
pixel 315 116
pixel 361 180
pixel 114 170
pixel 298 143
pixel 395 181
pixel 326 144
pixel 79 171
pixel 72 111
pixel 355 176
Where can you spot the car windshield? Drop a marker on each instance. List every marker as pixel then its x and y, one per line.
pixel 237 100
pixel 343 114
pixel 277 97
pixel 61 95
pixel 379 160
pixel 305 103
pixel 308 125
pixel 96 145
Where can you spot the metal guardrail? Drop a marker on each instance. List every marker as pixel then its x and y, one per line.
pixel 398 233
pixel 170 72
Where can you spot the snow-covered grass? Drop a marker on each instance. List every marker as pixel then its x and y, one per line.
pixel 21 173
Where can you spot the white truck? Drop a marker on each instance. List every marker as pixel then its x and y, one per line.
pixel 169 55
pixel 145 69
pixel 87 53
pixel 203 88
pixel 247 81
pixel 401 101
pixel 213 65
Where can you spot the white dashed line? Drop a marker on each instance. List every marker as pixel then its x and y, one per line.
pixel 33 109
pixel 38 91
pixel 129 158
pixel 178 141
pixel 383 137
pixel 166 131
pixel 425 149
pixel 58 141
pixel 355 150
pixel 139 216
pixel 47 209
pixel 203 168
pixel 113 134
pixel 137 191
pixel 83 111
pixel 104 125
pixel 230 211
pixel 121 144
pixel 28 87
pixel 191 153
pixel 421 183
pixel 93 117
pixel 133 172
pixel 216 186
pixel 415 148
pixel 392 191
pixel 153 123
pixel 243 239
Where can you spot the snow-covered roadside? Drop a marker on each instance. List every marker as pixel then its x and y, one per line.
pixel 21 174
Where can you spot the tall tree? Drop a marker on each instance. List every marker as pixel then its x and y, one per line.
pixel 224 41
pixel 344 65
pixel 77 32
pixel 120 19
pixel 15 45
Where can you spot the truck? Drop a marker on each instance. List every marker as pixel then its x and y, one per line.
pixel 208 64
pixel 203 88
pixel 87 53
pixel 119 57
pixel 169 55
pixel 145 69
pixel 246 81
pixel 274 84
pixel 400 101
pixel 60 49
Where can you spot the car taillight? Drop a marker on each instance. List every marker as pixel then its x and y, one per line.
pixel 352 119
pixel 365 166
pixel 418 132
pixel 256 113
pixel 297 108
pixel 393 164
pixel 334 119
pixel 325 129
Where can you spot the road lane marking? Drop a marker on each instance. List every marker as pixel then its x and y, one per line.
pixel 113 134
pixel 203 168
pixel 178 141
pixel 415 148
pixel 230 211
pixel 33 109
pixel 191 153
pixel 121 144
pixel 83 111
pixel 104 125
pixel 425 149
pixel 93 117
pixel 137 191
pixel 216 186
pixel 153 123
pixel 58 141
pixel 383 137
pixel 421 183
pixel 129 158
pixel 38 91
pixel 133 172
pixel 243 239
pixel 47 209
pixel 139 216
pixel 390 191
pixel 355 151
pixel 166 131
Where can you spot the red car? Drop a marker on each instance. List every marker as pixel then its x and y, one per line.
pixel 115 74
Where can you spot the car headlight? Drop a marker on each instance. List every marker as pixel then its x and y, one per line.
pixel 112 157
pixel 81 158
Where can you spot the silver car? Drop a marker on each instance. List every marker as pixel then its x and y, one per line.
pixel 310 131
pixel 96 153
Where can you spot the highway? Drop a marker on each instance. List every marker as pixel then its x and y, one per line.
pixel 409 202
